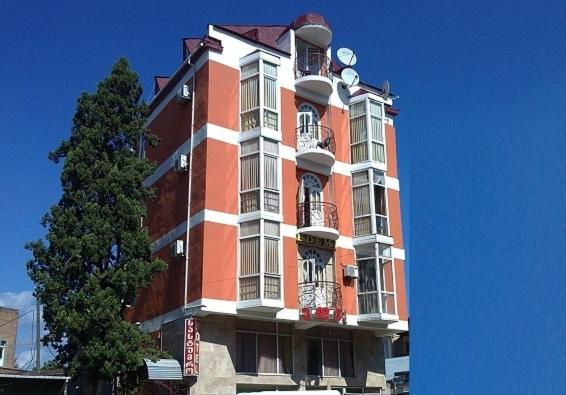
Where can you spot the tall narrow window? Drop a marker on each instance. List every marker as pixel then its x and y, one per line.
pixel 270 117
pixel 377 139
pixel 380 203
pixel 258 96
pixel 250 260
pixel 272 270
pixel 362 203
pixel 358 132
pixel 271 176
pixel 249 176
pixel 249 93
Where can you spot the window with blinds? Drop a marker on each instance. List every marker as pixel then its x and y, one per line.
pixel 367 140
pixel 260 266
pixel 249 176
pixel 258 96
pixel 377 139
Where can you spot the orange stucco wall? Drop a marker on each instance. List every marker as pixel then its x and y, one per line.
pixel 343 257
pixel 219 261
pixel 395 226
pixel 391 148
pixel 401 289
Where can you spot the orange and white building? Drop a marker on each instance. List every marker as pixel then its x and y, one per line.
pixel 278 213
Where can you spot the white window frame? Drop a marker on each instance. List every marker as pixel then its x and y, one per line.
pixel 371 172
pixel 3 348
pixel 366 99
pixel 378 257
pixel 262 57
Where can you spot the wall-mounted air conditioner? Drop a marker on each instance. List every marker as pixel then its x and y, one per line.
pixel 181 163
pixel 184 94
pixel 351 271
pixel 177 248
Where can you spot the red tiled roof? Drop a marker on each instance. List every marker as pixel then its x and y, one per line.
pixel 310 18
pixel 192 43
pixel 267 35
pixel 159 83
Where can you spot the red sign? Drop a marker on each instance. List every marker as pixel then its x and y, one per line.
pixel 191 347
pixel 305 314
pixel 322 313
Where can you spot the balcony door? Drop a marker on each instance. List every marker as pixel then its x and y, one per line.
pixel 309 59
pixel 311 197
pixel 309 130
pixel 313 273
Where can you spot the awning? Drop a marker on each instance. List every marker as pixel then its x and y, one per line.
pixel 163 369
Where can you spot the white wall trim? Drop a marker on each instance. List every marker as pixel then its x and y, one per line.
pixel 209 131
pixel 398 253
pixel 392 183
pixel 217 217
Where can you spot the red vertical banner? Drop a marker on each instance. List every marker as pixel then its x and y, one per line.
pixel 191 347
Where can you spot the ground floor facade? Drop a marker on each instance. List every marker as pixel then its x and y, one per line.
pixel 243 355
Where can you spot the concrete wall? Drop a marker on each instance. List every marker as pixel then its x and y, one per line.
pixel 218 360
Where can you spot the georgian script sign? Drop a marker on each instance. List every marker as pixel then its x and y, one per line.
pixel 316 241
pixel 191 347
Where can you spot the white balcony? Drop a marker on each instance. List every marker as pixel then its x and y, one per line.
pixel 318 219
pixel 313 72
pixel 315 144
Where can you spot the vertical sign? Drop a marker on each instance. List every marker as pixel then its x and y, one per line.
pixel 191 347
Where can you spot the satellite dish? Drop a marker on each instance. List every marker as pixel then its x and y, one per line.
pixel 350 77
pixel 346 56
pixel 385 89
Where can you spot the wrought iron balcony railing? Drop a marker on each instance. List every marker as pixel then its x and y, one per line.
pixel 317 214
pixel 315 136
pixel 320 294
pixel 313 64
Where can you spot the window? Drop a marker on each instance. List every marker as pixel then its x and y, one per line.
pixel 250 187
pixel 249 260
pixel 367 144
pixel 376 279
pixel 254 244
pixel 249 176
pixel 370 200
pixel 330 352
pixel 358 132
pixel 3 346
pixel 258 95
pixel 264 347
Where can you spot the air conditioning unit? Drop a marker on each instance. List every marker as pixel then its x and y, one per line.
pixel 181 163
pixel 351 271
pixel 177 248
pixel 184 94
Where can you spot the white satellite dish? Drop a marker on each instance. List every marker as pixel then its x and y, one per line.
pixel 350 77
pixel 346 56
pixel 385 90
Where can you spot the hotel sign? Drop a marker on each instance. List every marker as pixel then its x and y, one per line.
pixel 316 241
pixel 191 347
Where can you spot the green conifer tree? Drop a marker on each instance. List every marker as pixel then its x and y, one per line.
pixel 97 254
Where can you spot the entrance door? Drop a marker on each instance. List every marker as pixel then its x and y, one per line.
pixel 311 196
pixel 309 133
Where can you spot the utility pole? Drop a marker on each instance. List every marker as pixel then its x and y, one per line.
pixel 38 335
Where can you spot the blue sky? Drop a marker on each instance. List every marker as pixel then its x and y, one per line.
pixel 480 144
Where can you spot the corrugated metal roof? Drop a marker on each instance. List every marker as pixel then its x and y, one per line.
pixel 163 369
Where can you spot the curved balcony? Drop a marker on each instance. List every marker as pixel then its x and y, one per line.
pixel 314 29
pixel 313 72
pixel 316 144
pixel 318 219
pixel 320 300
